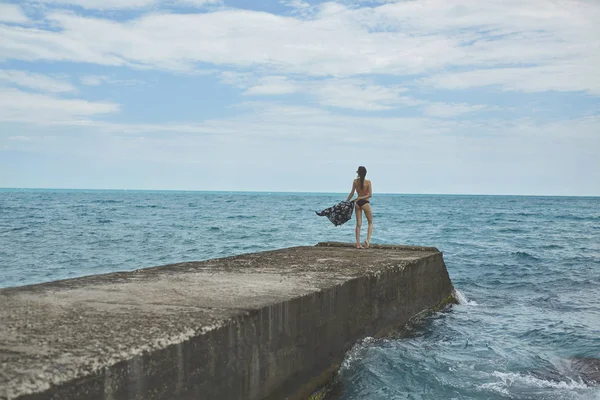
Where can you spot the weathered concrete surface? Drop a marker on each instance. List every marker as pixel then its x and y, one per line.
pixel 272 325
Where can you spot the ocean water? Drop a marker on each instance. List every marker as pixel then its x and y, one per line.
pixel 527 271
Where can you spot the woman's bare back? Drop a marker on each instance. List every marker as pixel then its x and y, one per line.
pixel 365 189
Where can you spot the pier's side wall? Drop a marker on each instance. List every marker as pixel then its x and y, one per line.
pixel 263 342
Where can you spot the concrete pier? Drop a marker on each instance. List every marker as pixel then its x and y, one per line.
pixel 265 326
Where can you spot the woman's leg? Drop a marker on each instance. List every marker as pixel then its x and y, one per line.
pixel 369 215
pixel 358 226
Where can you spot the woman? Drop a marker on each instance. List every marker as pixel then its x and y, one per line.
pixel 364 189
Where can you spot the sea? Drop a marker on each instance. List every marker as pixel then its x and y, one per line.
pixel 526 271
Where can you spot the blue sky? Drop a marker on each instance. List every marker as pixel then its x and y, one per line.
pixel 432 96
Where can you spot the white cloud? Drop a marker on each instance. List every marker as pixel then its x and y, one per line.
pixel 239 79
pixel 102 4
pixel 20 138
pixel 93 80
pixel 39 82
pixel 34 44
pixel 296 4
pixel 195 3
pixel 12 13
pixel 126 4
pixel 300 8
pixel 405 38
pixel 351 94
pixel 19 106
pixel 359 95
pixel 256 120
pixel 445 110
pixel 97 80
pixel 273 85
pixel 563 77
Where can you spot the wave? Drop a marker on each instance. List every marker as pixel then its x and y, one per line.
pixel 242 216
pixel 577 217
pixel 549 301
pixel 552 246
pixel 15 229
pixel 107 201
pixel 527 214
pixel 355 353
pixel 509 379
pixel 462 299
pixel 512 230
pixel 524 255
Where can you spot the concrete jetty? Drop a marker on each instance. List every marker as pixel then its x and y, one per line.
pixel 265 326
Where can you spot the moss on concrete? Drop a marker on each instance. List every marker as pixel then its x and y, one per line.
pixel 319 395
pixel 445 303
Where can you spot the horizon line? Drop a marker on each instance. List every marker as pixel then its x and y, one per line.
pixel 288 192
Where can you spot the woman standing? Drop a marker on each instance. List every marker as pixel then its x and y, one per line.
pixel 364 189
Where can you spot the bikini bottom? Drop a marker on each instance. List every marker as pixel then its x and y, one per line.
pixel 362 202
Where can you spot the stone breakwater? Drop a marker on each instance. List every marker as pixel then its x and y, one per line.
pixel 270 325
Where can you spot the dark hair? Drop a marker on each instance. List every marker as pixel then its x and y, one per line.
pixel 362 172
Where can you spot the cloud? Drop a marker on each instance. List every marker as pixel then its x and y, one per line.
pixel 97 80
pixel 261 123
pixel 354 94
pixel 19 106
pixel 446 110
pixel 20 138
pixel 299 7
pixel 273 85
pixel 194 3
pixel 350 94
pixel 39 82
pixel 357 95
pixel 404 39
pixel 255 120
pixel 102 4
pixel 564 77
pixel 126 4
pixel 239 79
pixel 93 80
pixel 35 44
pixel 296 4
pixel 12 13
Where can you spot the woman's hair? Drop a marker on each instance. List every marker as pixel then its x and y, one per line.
pixel 362 172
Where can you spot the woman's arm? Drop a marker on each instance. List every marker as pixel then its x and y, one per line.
pixel 352 192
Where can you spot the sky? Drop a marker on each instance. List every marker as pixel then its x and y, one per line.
pixel 432 96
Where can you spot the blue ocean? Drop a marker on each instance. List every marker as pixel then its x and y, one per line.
pixel 527 272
